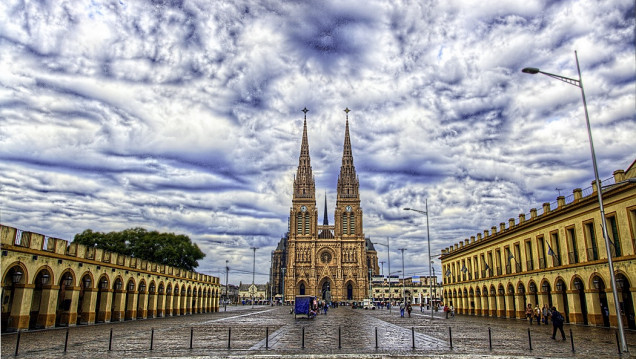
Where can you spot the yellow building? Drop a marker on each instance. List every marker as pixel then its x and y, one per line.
pixel 47 282
pixel 417 290
pixel 333 262
pixel 556 256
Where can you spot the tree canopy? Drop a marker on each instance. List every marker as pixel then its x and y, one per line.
pixel 171 249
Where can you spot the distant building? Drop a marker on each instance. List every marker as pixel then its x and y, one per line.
pixel 332 262
pixel 48 282
pixel 555 256
pixel 417 290
pixel 259 292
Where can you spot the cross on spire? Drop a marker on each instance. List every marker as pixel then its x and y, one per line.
pixel 305 110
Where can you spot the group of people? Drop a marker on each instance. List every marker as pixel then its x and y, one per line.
pixel 406 307
pixel 543 314
pixel 449 311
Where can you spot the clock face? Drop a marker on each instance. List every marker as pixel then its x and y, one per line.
pixel 348 208
pixel 303 208
pixel 325 257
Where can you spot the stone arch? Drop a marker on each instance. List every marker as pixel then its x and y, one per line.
pixel 562 304
pixel 350 290
pixel 40 311
pixel 301 287
pixel 130 308
pixel 65 313
pixel 623 287
pixel 84 309
pixel 102 314
pixel 324 286
pixel 142 301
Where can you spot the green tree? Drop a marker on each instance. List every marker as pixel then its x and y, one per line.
pixel 164 248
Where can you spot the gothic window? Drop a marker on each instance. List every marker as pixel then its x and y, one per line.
pixel 306 223
pixel 299 223
pixel 302 288
pixel 345 225
pixel 352 224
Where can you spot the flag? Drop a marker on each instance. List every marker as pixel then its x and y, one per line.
pixel 510 256
pixel 487 266
pixel 551 252
pixel 448 273
pixel 464 269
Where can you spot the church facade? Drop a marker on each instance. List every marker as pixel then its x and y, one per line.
pixel 333 262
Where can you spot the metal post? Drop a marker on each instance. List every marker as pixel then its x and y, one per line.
pixel 403 278
pixel 152 337
pixel 66 341
pixel 253 274
pixel 266 337
pixel 618 343
pixel 572 340
pixel 529 339
pixel 489 339
pixel 110 340
pixel 227 286
pixel 229 337
pixel 413 336
pixel 450 337
pixel 191 335
pixel 303 340
pixel 376 337
pixel 17 343
pixel 339 342
pixel 430 265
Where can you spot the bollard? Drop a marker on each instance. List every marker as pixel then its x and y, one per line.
pixel 339 342
pixel 152 336
pixel 413 336
pixel 489 339
pixel 572 340
pixel 229 336
pixel 66 341
pixel 191 335
pixel 529 339
pixel 17 342
pixel 266 337
pixel 450 337
pixel 376 337
pixel 618 343
pixel 110 339
pixel 303 342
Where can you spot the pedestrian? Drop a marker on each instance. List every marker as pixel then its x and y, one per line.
pixel 326 307
pixel 446 310
pixel 544 312
pixel 409 309
pixel 537 314
pixel 529 313
pixel 557 323
pixel 452 311
pixel 402 309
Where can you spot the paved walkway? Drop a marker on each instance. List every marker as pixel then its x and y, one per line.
pixel 271 332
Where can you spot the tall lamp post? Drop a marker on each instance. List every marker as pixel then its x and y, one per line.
pixel 428 238
pixel 388 258
pixel 403 279
pixel 227 294
pixel 253 293
pixel 579 83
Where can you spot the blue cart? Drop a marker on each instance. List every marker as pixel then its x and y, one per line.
pixel 304 305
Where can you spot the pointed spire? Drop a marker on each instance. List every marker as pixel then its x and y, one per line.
pixel 304 186
pixel 325 220
pixel 347 180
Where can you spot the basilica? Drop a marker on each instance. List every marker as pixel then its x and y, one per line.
pixel 332 262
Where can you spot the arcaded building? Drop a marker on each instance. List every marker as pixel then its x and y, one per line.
pixel 332 262
pixel 48 282
pixel 555 256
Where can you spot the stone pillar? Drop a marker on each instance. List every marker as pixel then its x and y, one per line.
pixel 104 310
pixel 594 310
pixel 21 307
pixel 484 305
pixel 131 305
pixel 160 305
pixel 611 306
pixel 521 311
pixel 176 304
pixel 87 316
pixel 46 316
pixel 493 305
pixel 574 304
pixel 68 317
pixel 502 305
pixel 152 305
pixel 477 300
pixel 118 306
pixel 510 305
pixel 142 305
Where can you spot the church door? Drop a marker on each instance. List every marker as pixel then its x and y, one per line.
pixel 326 294
pixel 349 291
pixel 302 288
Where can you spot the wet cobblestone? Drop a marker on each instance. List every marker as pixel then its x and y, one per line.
pixel 395 335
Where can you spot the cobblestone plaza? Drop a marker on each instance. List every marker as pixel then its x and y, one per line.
pixel 273 332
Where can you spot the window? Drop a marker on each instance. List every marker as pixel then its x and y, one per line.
pixel 556 250
pixel 573 255
pixel 517 257
pixel 345 224
pixel 498 260
pixel 632 221
pixel 299 221
pixel 541 250
pixel 352 224
pixel 307 223
pixel 613 233
pixel 590 241
pixel 529 261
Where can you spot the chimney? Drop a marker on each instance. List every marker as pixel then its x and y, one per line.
pixel 533 213
pixel 619 175
pixel 511 222
pixel 560 202
pixel 522 218
pixel 546 208
pixel 578 193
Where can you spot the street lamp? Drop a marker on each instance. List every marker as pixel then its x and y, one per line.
pixel 579 83
pixel 388 258
pixel 253 273
pixel 428 238
pixel 403 279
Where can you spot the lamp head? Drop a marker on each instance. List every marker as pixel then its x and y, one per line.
pixel 407 209
pixel 531 70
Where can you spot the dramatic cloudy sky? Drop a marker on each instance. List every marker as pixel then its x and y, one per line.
pixel 185 116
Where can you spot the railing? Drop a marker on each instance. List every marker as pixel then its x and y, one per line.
pixel 592 254
pixel 573 257
pixel 530 265
pixel 542 264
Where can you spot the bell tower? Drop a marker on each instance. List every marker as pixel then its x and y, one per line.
pixel 348 217
pixel 303 213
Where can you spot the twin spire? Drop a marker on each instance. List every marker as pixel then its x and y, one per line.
pixel 304 183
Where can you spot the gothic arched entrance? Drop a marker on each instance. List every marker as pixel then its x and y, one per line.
pixel 349 291
pixel 326 291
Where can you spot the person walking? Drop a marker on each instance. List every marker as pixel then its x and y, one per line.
pixel 545 311
pixel 537 314
pixel 557 323
pixel 529 313
pixel 452 310
pixel 446 310
pixel 409 309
